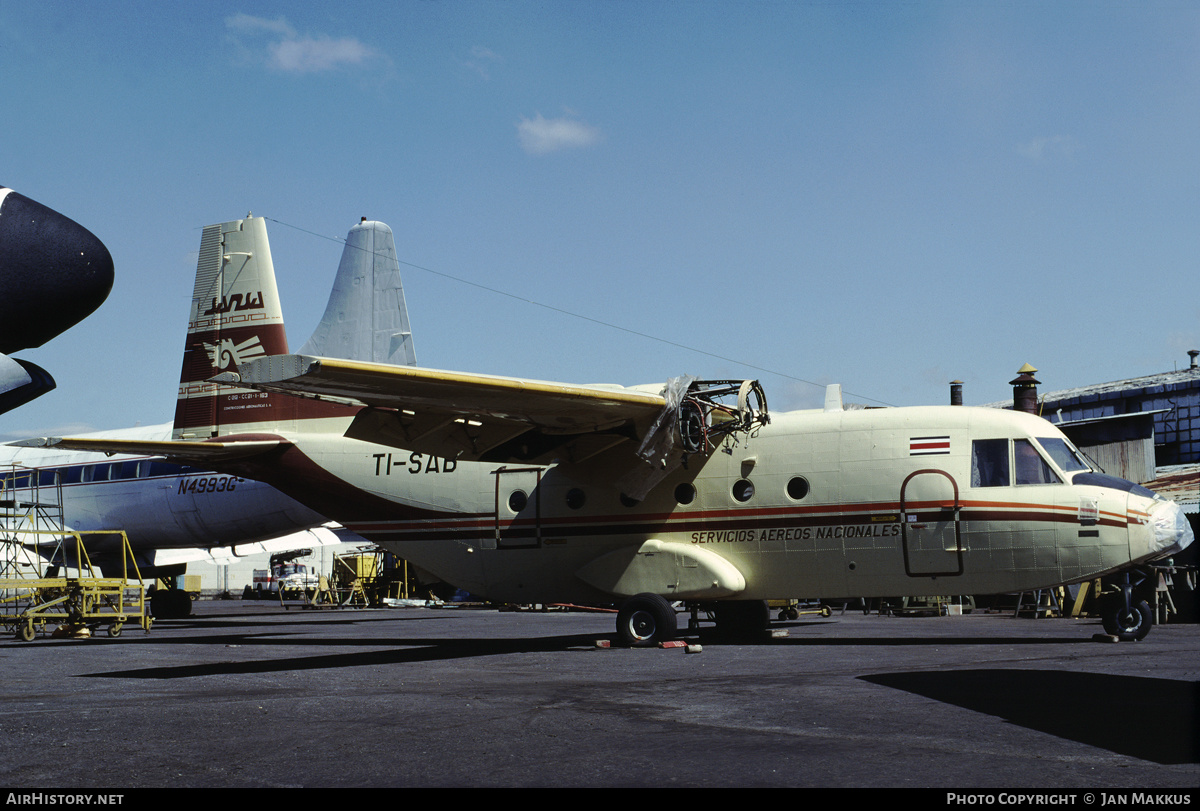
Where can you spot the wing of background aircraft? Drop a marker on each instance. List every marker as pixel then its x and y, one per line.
pixel 202 451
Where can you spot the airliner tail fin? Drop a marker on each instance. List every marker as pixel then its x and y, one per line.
pixel 365 318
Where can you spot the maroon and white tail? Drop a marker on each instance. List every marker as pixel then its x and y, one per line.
pixel 235 316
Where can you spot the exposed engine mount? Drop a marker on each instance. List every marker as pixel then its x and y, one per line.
pixel 706 414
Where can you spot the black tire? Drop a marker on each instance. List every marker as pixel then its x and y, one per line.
pixel 645 620
pixel 742 617
pixel 170 604
pixel 1127 625
pixel 159 605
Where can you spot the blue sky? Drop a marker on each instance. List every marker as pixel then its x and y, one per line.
pixel 885 195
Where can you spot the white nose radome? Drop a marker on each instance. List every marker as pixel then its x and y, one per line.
pixel 1172 532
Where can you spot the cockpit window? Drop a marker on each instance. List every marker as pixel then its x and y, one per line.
pixel 1029 465
pixel 1062 453
pixel 989 463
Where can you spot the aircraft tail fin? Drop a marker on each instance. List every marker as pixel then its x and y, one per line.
pixel 366 318
pixel 235 316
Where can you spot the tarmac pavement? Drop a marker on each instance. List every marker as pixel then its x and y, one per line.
pixel 246 694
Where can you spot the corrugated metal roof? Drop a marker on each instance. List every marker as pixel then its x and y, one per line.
pixel 1166 380
pixel 1185 379
pixel 1180 483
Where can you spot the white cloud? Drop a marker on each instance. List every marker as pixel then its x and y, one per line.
pixel 292 53
pixel 244 22
pixel 481 60
pixel 1048 147
pixel 309 55
pixel 539 136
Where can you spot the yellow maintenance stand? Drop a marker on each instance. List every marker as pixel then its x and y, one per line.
pixel 80 599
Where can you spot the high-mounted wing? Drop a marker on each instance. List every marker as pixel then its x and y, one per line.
pixel 464 416
pixel 630 437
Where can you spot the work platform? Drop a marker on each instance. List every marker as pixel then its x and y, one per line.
pixel 35 545
pixel 74 602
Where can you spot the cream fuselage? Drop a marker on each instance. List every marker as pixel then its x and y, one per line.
pixel 815 504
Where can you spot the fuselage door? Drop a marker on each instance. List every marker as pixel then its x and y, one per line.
pixel 518 508
pixel 929 515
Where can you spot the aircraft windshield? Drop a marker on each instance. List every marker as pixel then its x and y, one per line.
pixel 1063 454
pixel 1029 466
pixel 990 462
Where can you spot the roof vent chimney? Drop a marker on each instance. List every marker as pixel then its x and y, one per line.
pixel 1025 390
pixel 1192 353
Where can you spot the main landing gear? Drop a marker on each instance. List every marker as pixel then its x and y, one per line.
pixel 646 620
pixel 170 604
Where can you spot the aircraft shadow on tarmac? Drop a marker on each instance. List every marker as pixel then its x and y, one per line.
pixel 1147 718
pixel 231 632
pixel 397 651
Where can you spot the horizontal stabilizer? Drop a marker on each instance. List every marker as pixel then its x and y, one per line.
pixel 208 452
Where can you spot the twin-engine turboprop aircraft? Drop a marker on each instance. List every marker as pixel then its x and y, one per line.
pixel 532 492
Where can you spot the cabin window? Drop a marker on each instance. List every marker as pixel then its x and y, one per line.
pixel 797 487
pixel 18 481
pixel 1029 465
pixel 989 463
pixel 743 489
pixel 685 493
pixel 575 498
pixel 47 478
pixel 158 468
pixel 517 500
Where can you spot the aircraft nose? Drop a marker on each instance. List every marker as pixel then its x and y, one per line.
pixel 53 272
pixel 1172 532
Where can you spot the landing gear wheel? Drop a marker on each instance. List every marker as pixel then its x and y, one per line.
pixel 742 617
pixel 645 620
pixel 1128 625
pixel 168 604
